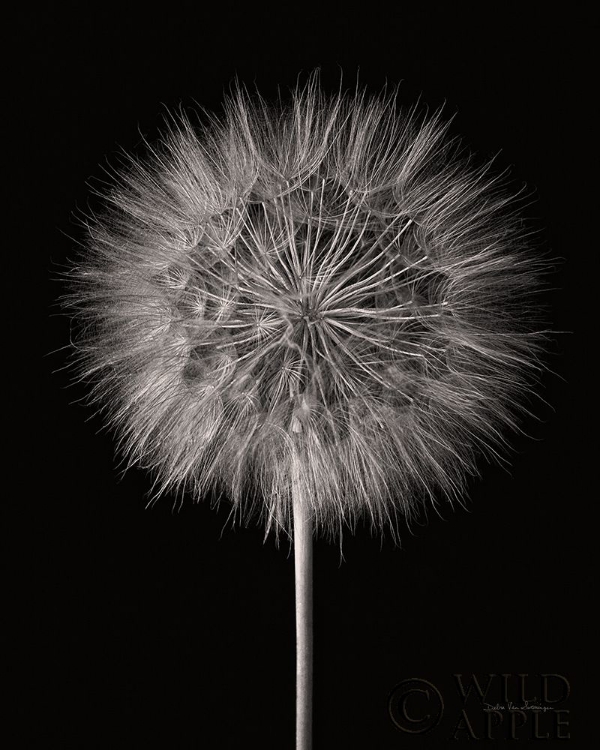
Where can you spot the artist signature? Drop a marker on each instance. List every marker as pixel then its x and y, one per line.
pixel 510 706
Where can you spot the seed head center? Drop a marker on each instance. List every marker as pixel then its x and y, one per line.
pixel 309 312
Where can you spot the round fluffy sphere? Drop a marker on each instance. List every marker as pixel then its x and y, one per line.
pixel 321 299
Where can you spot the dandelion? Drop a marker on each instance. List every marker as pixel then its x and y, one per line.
pixel 320 308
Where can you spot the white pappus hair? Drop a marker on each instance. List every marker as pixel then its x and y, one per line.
pixel 320 297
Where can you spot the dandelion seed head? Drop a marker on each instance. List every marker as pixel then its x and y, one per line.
pixel 322 298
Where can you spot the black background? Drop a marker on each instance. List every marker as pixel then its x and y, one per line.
pixel 166 624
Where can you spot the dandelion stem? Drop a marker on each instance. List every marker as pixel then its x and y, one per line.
pixel 303 563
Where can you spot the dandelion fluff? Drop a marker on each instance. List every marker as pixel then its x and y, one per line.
pixel 321 299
